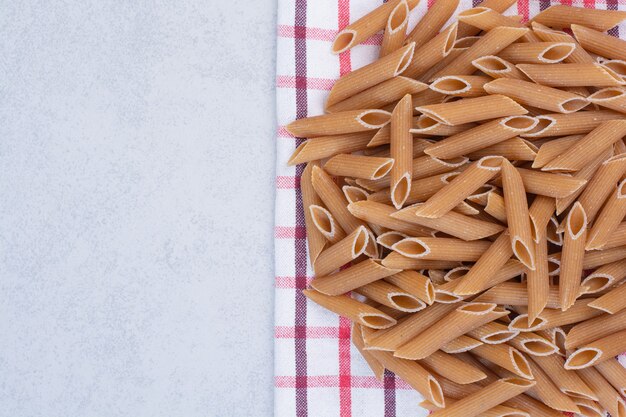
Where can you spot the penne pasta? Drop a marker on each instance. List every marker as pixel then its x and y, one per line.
pixel 549 393
pixel 599 43
pixel 325 224
pixel 609 219
pixel 533 344
pixel 588 148
pixel 608 398
pixel 401 152
pixel 499 6
pixel 578 56
pixel 326 146
pixel 475 109
pixel 381 214
pixel 614 373
pixel 597 351
pixel 316 240
pixel 613 98
pixel 462 319
pixel 370 75
pixel 441 249
pixel 413 374
pixel 391 296
pixel 462 186
pixel 415 284
pixel 452 368
pixel 506 357
pixel 568 382
pixel 380 95
pixel 604 277
pixel 398 261
pixel 553 148
pixel 518 219
pixel 431 52
pixel 570 124
pixel 571 75
pixel 496 67
pixel 356 276
pixel 516 294
pixel 612 302
pixel 487 19
pixel 368 25
pixel 432 22
pixel 572 256
pixel 426 125
pixel 387 239
pixel 493 333
pixel 342 252
pixel 535 95
pixel 513 149
pixel 395 29
pixel 550 185
pixel 580 311
pixel 618 238
pixel 460 344
pixel 354 310
pixel 538 280
pixel 537 52
pixel 354 194
pixel 339 123
pixel 421 189
pixel 491 43
pixel 461 85
pixel 561 17
pixel 358 166
pixel 601 326
pixel 495 207
pixel 357 340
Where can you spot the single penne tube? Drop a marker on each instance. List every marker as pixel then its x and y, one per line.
pixel 599 43
pixel 515 149
pixel 533 344
pixel 356 276
pixel 461 344
pixel 496 67
pixel 431 52
pixel 401 152
pixel 427 97
pixel 415 284
pixel 354 194
pixel 571 75
pixel 432 22
pixel 370 75
pixel 537 52
pixel 578 56
pixel 499 6
pixel 398 261
pixel 488 265
pixel 618 238
pixel 421 189
pixel 540 213
pixel 580 311
pixel 612 302
pixel 473 110
pixel 453 368
pixel 532 406
pixel 551 149
pixel 495 207
pixel 460 46
pixel 546 391
pixel 567 381
pixel 550 185
pixel 608 397
pixel 601 326
pixel 506 357
pixel 572 256
pixel 617 65
pixel 426 125
pixel 459 321
pixel 516 294
pixel 598 258
pixel 407 328
pixel 570 124
pixel 325 224
pixel 493 333
pixel 504 411
pixel 491 43
pixel 336 203
pixel 388 239
pixel 352 309
pixel 315 238
pixel 597 351
pixel 359 166
pixel 538 280
pixel 535 95
pixel 480 196
pixel 609 218
pixel 421 167
pixel 342 252
pixel 339 123
pixel 366 26
pixel 441 249
pixel 461 85
pixel 487 19
pixel 486 398
pixel 381 214
pixel 395 29
pixel 523 323
pixel 379 95
pixel 480 137
pixel 444 294
pixel 452 223
pixel 604 277
pixel 615 373
pixel 326 146
pixel 413 374
pixel 585 173
pixel 391 296
pixel 588 408
pixel 518 220
pixel 613 98
pixel 357 340
pixel 588 148
pixel 462 186
pixel 562 16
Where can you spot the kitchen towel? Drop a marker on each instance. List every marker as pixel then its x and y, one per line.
pixel 317 371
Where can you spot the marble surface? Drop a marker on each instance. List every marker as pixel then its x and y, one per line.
pixel 136 209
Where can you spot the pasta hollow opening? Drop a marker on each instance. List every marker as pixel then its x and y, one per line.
pixel 450 41
pixel 554 266
pixel 412 247
pixel 321 219
pixel 523 253
pixel 466 42
pixel 557 53
pixel 435 392
pixel 621 190
pixel 490 162
pixel 491 64
pixel 621 408
pixel 577 220
pixel 398 17
pixel 383 170
pixel 389 239
pixel 376 322
pixel 343 41
pixel 542 125
pixel 573 104
pixel 456 273
pixel 430 292
pixel 520 122
pixel 520 382
pixel 405 60
pixel 617 66
pixel 477 308
pixel 617 77
pixel 473 12
pixel 596 282
pixel 552 233
pixel 499 337
pixel 606 94
pixel 424 122
pixel 450 85
pixel 375 118
pixel 360 242
pixel 354 194
pixel 582 358
pixel 521 322
pixel 521 364
pixel 539 347
pixel 559 340
pixel 405 302
pixel 401 191
pixel 446 297
pixel 586 410
pixel 446 178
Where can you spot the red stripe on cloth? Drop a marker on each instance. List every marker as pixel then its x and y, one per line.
pixel 319 34
pixel 590 4
pixel 284 182
pixel 287 81
pixel 309 332
pixel 290 232
pixel 288 282
pixel 332 381
pixel 281 132
pixel 523 9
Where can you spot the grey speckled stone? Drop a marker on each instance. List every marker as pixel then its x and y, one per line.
pixel 134 281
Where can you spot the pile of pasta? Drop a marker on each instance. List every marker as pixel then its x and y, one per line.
pixel 464 198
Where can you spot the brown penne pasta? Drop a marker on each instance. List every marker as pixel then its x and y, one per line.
pixel 466 86
pixel 537 52
pixel 474 109
pixel 562 16
pixel 608 398
pixel 597 351
pixel 571 75
pixel 356 276
pixel 401 152
pixel 601 326
pixel 431 52
pixel 391 296
pixel 609 218
pixel 326 146
pixel 496 67
pixel 432 22
pixel 599 43
pixel 570 124
pixel 579 55
pixel 395 29
pixel 339 123
pixel 316 240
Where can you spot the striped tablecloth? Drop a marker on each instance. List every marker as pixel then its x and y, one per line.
pixel 317 371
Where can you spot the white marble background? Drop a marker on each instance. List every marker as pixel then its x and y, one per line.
pixel 136 200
